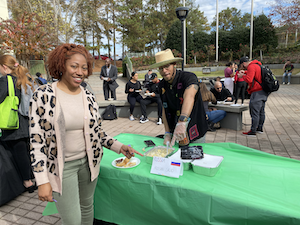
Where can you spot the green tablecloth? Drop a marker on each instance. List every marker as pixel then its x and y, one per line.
pixel 250 188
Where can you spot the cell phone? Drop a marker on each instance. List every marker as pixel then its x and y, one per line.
pixel 149 143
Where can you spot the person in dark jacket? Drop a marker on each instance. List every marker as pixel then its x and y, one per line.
pixel 221 94
pixel 183 111
pixel 17 141
pixel 109 74
pixel 133 88
pixel 153 95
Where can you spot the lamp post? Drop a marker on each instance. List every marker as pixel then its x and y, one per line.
pixel 182 13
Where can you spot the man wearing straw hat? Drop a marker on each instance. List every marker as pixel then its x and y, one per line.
pixel 183 111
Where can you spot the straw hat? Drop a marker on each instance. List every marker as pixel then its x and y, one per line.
pixel 163 58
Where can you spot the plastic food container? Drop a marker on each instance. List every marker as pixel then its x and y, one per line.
pixel 207 166
pixel 185 162
pixel 159 151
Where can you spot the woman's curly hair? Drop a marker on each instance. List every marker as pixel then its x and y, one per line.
pixel 57 58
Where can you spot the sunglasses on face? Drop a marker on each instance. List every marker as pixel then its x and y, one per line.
pixel 219 88
pixel 161 68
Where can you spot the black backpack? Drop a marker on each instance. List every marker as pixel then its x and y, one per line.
pixel 109 113
pixel 269 83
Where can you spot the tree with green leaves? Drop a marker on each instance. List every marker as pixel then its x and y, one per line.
pixel 231 18
pixel 196 21
pixel 174 38
pixel 264 32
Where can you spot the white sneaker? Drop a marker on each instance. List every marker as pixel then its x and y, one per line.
pixel 288 83
pixel 159 122
pixel 142 117
pixel 283 82
pixel 131 117
pixel 144 120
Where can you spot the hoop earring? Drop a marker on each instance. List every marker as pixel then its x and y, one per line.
pixel 60 74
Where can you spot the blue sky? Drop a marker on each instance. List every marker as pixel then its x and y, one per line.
pixel 209 7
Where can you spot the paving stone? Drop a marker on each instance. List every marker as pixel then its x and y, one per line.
pixel 19 211
pixel 15 203
pixel 34 201
pixel 33 215
pixel 41 223
pixel 11 217
pixel 22 198
pixel 38 209
pixel 27 206
pixel 2 214
pixel 6 208
pixel 4 222
pixel 26 221
pixel 49 219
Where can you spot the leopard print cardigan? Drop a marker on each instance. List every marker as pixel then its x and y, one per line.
pixel 46 127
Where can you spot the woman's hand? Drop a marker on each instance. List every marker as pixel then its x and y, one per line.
pixel 131 90
pixel 128 151
pixel 45 192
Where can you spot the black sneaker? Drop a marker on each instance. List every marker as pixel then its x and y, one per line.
pixel 260 131
pixel 144 120
pixel 249 133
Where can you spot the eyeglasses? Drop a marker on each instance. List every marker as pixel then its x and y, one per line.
pixel 161 68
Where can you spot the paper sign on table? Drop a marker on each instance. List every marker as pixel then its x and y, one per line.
pixel 167 167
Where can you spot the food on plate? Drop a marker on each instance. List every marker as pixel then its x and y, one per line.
pixel 125 162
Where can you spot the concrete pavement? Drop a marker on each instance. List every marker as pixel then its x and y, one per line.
pixel 280 137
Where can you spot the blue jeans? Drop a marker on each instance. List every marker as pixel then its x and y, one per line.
pixel 216 115
pixel 289 77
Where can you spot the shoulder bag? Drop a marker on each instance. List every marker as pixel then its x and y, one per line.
pixel 9 118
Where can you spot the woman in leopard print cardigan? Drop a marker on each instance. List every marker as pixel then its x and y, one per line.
pixel 66 136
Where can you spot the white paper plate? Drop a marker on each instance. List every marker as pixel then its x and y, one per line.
pixel 235 105
pixel 137 90
pixel 148 94
pixel 133 159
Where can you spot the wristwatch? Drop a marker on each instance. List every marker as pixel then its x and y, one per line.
pixel 183 119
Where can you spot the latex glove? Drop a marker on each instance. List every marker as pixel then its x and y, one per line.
pixel 179 133
pixel 167 138
pixel 129 151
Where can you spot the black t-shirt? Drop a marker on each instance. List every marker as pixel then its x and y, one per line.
pixel 135 86
pixel 172 98
pixel 153 88
pixel 221 96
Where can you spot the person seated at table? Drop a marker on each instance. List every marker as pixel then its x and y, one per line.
pixel 221 94
pixel 133 88
pixel 153 88
pixel 213 116
pixel 147 79
pixel 212 81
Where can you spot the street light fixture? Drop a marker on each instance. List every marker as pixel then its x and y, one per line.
pixel 182 13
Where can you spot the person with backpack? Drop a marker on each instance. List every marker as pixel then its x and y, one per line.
pixel 17 140
pixel 258 98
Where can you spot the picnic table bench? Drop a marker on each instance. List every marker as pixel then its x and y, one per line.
pixel 234 115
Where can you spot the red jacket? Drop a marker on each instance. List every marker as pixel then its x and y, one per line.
pixel 253 71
